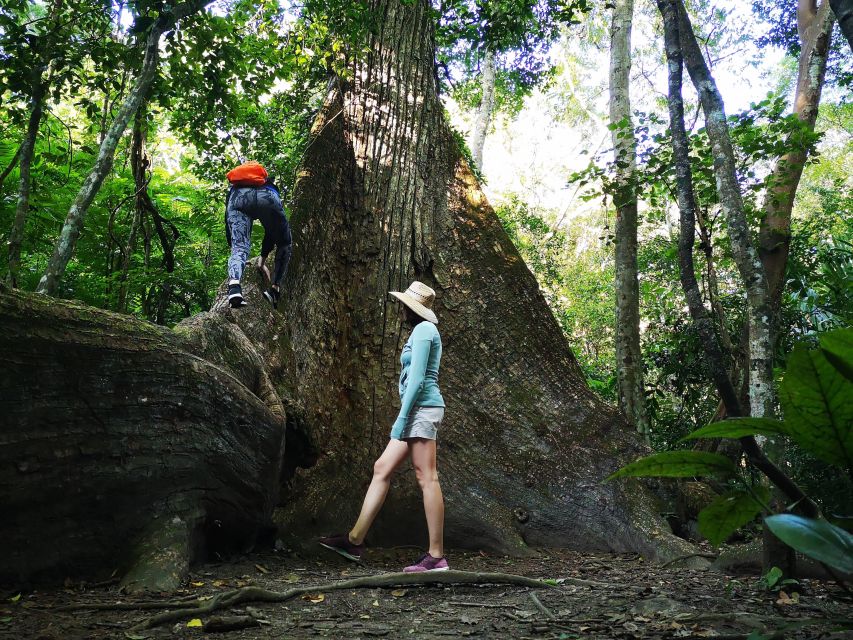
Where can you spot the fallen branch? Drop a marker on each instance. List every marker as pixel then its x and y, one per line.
pixel 541 607
pixel 386 580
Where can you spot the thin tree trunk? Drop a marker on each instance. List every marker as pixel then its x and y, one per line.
pixel 629 359
pixel 67 241
pixel 487 107
pixel 674 42
pixel 815 30
pixel 27 151
pixel 714 287
pixel 144 204
pixel 744 252
pixel 843 10
pixel 137 152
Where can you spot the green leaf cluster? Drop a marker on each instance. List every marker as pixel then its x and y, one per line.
pixel 817 400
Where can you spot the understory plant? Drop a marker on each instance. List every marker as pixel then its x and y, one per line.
pixel 816 396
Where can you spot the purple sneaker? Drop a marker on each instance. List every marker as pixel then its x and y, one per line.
pixel 428 563
pixel 340 544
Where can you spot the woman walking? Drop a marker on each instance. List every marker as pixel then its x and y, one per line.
pixel 413 434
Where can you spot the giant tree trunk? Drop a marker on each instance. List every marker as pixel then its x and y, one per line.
pixel 135 445
pixel 129 446
pixel 629 359
pixel 384 197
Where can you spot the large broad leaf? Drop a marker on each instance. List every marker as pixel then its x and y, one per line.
pixel 678 464
pixel 818 405
pixel 737 428
pixel 817 539
pixel 730 511
pixel 837 346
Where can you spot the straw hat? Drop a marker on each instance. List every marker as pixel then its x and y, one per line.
pixel 419 298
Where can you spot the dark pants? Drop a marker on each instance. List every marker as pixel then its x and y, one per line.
pixel 245 205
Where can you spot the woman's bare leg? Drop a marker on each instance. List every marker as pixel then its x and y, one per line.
pixel 383 469
pixel 423 459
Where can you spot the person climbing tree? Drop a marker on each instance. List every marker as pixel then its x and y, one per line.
pixel 413 433
pixel 254 196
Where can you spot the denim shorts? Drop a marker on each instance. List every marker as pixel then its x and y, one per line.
pixel 423 422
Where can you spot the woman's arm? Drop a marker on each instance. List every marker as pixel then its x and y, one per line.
pixel 417 374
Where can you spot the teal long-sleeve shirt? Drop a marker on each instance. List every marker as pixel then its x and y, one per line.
pixel 420 361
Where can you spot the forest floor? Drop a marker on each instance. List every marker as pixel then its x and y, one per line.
pixel 637 600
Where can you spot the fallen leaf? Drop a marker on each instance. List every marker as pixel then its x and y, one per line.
pixel 15 598
pixel 314 597
pixel 197 584
pixel 784 598
pixel 262 568
pixel 195 622
pixel 220 583
pixel 398 593
pixel 291 578
pixel 376 603
pixel 364 616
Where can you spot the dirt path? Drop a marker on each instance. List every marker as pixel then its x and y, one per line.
pixel 642 602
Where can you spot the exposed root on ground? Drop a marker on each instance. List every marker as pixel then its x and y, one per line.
pixel 257 594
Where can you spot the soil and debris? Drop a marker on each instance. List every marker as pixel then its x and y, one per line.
pixel 637 600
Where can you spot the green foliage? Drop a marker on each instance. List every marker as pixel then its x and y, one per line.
pixel 730 511
pixel 820 268
pixel 227 88
pixel 817 401
pixel 575 274
pixel 772 580
pixel 817 539
pixel 678 464
pixel 780 21
pixel 737 428
pixel 518 32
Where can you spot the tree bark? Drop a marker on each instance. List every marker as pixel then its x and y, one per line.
pixel 67 240
pixel 487 107
pixel 815 30
pixel 27 151
pixel 843 10
pixel 384 197
pixel 629 359
pixel 731 202
pixel 126 445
